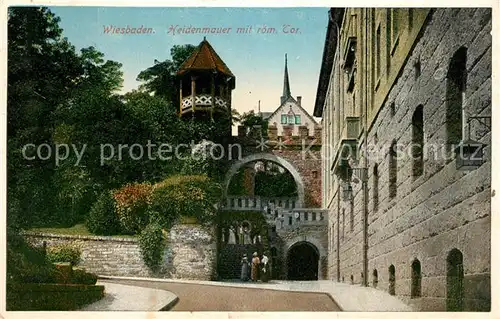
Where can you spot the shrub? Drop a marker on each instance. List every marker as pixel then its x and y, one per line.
pixel 102 219
pixel 64 253
pixel 132 206
pixel 186 195
pixel 26 263
pixel 83 277
pixel 152 244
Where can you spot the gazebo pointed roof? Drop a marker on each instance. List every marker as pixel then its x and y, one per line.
pixel 204 57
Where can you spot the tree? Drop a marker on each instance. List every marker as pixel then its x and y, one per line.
pixel 160 78
pixel 254 123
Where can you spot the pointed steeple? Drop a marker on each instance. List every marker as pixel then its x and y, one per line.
pixel 286 84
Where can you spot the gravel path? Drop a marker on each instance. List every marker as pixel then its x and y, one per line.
pixel 196 297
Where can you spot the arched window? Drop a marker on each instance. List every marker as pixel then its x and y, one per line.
pixel 454 281
pixel 416 279
pixel 352 279
pixel 455 89
pixel 393 170
pixel 375 187
pixel 417 124
pixel 392 280
pixel 375 278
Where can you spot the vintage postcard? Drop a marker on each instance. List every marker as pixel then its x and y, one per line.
pixel 248 159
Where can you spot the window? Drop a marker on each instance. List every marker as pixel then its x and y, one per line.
pixel 455 281
pixel 394 28
pixel 375 188
pixel 392 280
pixel 416 279
pixel 283 119
pixel 418 69
pixel 388 39
pixel 455 90
pixel 393 170
pixel 410 18
pixel 417 123
pixel 354 104
pixel 297 119
pixel 291 119
pixel 375 278
pixel 377 53
pixel 393 108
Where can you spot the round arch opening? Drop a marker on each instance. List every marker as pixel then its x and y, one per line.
pixel 266 157
pixel 302 262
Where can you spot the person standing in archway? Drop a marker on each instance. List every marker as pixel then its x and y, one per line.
pixel 255 266
pixel 264 276
pixel 244 268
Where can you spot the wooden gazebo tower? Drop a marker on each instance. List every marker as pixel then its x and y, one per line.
pixel 205 84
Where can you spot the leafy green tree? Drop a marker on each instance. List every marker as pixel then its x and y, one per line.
pixel 160 78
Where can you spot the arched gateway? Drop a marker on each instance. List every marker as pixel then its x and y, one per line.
pixel 271 158
pixel 303 261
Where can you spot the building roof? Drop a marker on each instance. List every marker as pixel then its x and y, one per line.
pixel 286 83
pixel 335 16
pixel 204 57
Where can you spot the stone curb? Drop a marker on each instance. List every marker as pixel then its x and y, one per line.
pixel 165 299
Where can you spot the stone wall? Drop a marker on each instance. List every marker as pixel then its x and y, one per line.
pixel 443 209
pixel 190 253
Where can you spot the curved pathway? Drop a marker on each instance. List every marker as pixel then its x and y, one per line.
pixel 198 297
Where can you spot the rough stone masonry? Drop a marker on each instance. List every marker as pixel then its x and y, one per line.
pixel 189 254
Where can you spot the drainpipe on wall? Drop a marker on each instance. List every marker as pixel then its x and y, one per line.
pixel 365 157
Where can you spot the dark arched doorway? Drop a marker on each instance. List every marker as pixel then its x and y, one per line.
pixel 454 281
pixel 302 262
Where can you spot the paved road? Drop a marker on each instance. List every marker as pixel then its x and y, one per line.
pixel 195 297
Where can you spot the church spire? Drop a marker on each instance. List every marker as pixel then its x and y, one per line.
pixel 286 84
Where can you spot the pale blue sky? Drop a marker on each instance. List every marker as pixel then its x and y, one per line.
pixel 257 60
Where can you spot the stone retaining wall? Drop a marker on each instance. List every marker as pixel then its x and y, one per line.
pixel 189 254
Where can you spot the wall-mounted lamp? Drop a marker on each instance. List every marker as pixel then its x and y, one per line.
pixel 355 175
pixel 469 153
pixel 346 191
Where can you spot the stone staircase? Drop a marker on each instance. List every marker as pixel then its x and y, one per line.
pixel 229 266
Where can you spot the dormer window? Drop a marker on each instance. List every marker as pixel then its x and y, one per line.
pixel 297 119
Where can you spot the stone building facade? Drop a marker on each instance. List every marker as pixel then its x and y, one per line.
pixel 399 91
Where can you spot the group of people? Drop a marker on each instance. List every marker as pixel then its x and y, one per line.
pixel 257 268
pixel 240 234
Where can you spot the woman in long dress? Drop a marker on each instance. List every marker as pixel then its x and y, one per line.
pixel 255 266
pixel 244 268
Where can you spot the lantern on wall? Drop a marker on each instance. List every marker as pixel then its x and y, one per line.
pixel 469 155
pixel 346 191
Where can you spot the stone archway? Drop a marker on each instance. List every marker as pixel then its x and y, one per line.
pixel 271 158
pixel 303 260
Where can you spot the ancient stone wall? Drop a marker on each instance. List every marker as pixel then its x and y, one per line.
pixel 444 208
pixel 190 253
